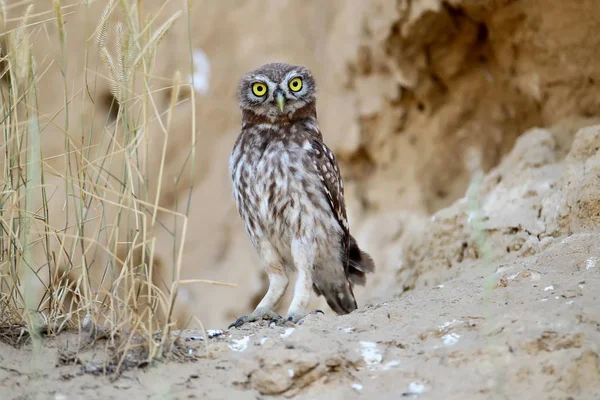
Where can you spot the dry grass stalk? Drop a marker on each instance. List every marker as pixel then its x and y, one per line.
pixel 103 26
pixel 93 270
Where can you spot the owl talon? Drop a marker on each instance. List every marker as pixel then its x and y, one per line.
pixel 239 322
pixel 257 315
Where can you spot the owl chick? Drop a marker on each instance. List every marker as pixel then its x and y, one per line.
pixel 290 195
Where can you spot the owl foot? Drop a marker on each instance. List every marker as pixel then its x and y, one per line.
pixel 299 319
pixel 257 315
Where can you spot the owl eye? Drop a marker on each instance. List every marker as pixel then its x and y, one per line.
pixel 259 89
pixel 295 84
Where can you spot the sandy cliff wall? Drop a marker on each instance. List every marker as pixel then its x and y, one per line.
pixel 413 96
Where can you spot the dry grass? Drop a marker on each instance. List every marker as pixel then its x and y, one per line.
pixel 78 229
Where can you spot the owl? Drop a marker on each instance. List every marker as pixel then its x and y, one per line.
pixel 290 196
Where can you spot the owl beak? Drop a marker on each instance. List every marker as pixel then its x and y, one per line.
pixel 280 99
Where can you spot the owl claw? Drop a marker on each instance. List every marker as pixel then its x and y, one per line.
pixel 257 315
pixel 238 322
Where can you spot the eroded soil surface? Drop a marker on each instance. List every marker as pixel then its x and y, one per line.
pixel 535 332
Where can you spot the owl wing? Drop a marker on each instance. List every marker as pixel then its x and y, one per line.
pixel 356 262
pixel 333 187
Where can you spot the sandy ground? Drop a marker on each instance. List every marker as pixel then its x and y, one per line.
pixel 536 334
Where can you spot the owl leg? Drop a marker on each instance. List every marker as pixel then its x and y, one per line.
pixel 303 253
pixel 278 283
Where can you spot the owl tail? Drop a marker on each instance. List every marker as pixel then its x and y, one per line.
pixel 339 294
pixel 359 264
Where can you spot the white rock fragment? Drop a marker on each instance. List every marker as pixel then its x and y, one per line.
pixel 570 302
pixel 416 388
pixel 391 364
pixel 371 353
pixel 399 266
pixel 503 268
pixel 214 332
pixel 451 339
pixel 239 345
pixel 263 340
pixel 447 324
pixel 548 288
pixel 288 332
pixel 439 286
pixel 471 216
pixel 591 263
pixel 291 373
pixel 357 386
pixel 512 277
pixel 544 299
pixel 201 74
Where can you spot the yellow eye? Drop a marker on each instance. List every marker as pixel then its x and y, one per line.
pixel 295 84
pixel 259 89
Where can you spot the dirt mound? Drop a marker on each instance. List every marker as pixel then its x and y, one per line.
pixel 529 200
pixel 518 327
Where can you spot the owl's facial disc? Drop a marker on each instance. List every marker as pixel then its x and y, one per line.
pixel 279 99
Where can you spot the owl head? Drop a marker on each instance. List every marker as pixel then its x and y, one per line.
pixel 276 91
